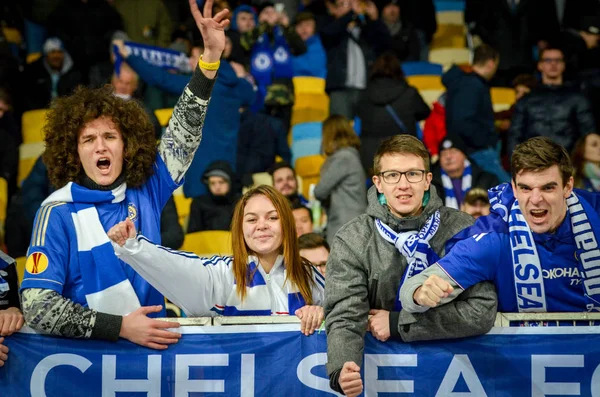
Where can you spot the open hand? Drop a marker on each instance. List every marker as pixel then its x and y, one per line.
pixel 138 328
pixel 122 231
pixel 310 317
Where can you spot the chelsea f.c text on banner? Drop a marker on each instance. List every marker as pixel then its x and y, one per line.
pixel 277 360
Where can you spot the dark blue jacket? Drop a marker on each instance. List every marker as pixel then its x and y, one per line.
pixel 469 111
pixel 219 137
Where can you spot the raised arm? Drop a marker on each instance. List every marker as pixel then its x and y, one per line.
pixel 194 284
pixel 184 132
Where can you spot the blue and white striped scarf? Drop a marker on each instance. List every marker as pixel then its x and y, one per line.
pixel 585 224
pixel 467 181
pixel 105 284
pixel 413 246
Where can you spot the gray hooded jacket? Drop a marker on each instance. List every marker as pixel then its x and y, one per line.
pixel 364 272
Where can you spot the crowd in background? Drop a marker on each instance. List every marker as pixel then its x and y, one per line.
pixel 547 51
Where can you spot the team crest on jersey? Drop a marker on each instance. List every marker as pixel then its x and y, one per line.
pixel 36 263
pixel 262 62
pixel 280 55
pixel 132 212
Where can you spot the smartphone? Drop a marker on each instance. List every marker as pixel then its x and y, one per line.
pixel 279 7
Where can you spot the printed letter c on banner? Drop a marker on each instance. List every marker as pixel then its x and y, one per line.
pixel 36 263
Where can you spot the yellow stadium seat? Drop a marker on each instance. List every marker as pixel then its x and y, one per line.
pixel 502 95
pixel 31 58
pixel 28 154
pixel 21 267
pixel 183 205
pixel 449 36
pixel 308 85
pixel 208 243
pixel 3 200
pixel 163 116
pixel 310 107
pixel 450 18
pixel 430 96
pixel 449 56
pixel 425 82
pixel 12 35
pixel 309 169
pixel 33 125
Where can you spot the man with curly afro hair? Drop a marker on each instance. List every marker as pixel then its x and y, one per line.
pixel 101 154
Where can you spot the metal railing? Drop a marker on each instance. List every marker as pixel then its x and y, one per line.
pixel 502 320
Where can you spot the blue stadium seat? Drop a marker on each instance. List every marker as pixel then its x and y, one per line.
pixel 449 5
pixel 310 130
pixel 421 68
pixel 305 147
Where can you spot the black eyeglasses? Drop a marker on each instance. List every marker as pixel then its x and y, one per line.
pixel 412 176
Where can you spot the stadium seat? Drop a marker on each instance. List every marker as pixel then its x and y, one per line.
pixel 31 58
pixel 309 169
pixel 449 5
pixel 208 243
pixel 421 69
pixel 430 96
pixel 163 116
pixel 449 56
pixel 306 139
pixel 310 107
pixel 28 154
pixel 3 205
pixel 21 267
pixel 450 17
pixel 449 36
pixel 502 95
pixel 183 205
pixel 33 125
pixel 308 85
pixel 425 82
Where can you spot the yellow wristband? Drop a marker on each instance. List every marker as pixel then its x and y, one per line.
pixel 209 66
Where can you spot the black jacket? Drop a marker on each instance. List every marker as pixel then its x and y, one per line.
pixel 469 111
pixel 560 113
pixel 377 123
pixel 39 84
pixel 479 178
pixel 210 212
pixel 171 232
pixel 374 39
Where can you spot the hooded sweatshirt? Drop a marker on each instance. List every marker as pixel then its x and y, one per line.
pixel 364 272
pixel 210 212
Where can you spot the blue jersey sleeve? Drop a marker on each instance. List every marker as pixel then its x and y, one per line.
pixel 49 250
pixel 160 185
pixel 474 259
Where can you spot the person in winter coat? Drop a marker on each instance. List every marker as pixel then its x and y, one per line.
pixel 214 210
pixel 51 76
pixel 454 175
pixel 389 106
pixel 231 92
pixel 554 109
pixel 314 61
pixel 342 185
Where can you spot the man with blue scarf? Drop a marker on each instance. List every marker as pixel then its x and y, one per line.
pixel 404 231
pixel 102 154
pixel 539 245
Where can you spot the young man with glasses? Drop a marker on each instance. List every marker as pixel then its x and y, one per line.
pixel 553 109
pixel 404 231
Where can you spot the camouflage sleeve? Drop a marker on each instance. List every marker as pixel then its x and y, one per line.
pixel 48 312
pixel 184 132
